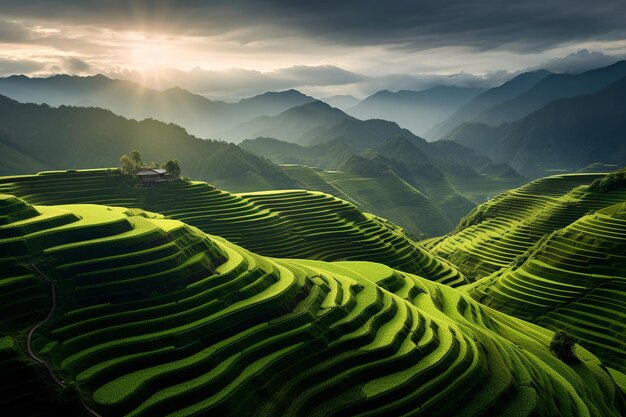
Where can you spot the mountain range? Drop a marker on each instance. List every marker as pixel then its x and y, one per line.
pixel 417 111
pixel 36 137
pixel 494 96
pixel 565 135
pixel 526 93
pixel 200 116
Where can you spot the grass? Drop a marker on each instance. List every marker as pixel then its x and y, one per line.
pixel 156 317
pixel 502 230
pixel 386 195
pixel 574 281
pixel 287 223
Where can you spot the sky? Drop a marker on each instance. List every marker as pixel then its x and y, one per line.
pixel 238 48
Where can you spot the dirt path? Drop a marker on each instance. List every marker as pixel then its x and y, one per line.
pixel 29 348
pixel 41 323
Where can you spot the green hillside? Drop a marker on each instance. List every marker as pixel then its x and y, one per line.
pixel 76 137
pixel 553 253
pixel 150 316
pixel 423 187
pixel 383 193
pixel 293 224
pixel 501 230
pixel 196 113
pixel 575 280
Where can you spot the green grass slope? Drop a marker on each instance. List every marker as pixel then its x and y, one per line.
pixel 451 176
pixel 500 231
pixel 575 280
pixel 76 137
pixel 291 224
pixel 385 194
pixel 154 317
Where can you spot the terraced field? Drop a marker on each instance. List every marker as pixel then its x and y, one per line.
pixel 502 230
pixel 155 317
pixel 574 280
pixel 387 195
pixel 290 224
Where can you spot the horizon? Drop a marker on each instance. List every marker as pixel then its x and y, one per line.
pixel 234 99
pixel 244 48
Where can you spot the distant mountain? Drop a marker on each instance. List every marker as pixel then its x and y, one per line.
pixel 445 171
pixel 38 137
pixel 505 92
pixel 417 111
pixel 342 102
pixel 291 125
pixel 360 134
pixel 328 155
pixel 550 88
pixel 199 115
pixel 327 136
pixel 566 135
pixel 270 103
pixel 318 123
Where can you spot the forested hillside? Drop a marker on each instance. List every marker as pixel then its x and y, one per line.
pixel 39 137
pixel 566 135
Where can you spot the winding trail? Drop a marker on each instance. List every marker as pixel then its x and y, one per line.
pixel 29 348
pixel 41 323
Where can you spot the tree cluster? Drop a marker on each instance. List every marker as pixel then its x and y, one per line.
pixel 613 181
pixel 563 346
pixel 132 163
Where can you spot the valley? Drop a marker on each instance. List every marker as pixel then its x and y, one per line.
pixel 312 209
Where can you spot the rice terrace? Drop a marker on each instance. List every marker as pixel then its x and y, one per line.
pixel 290 209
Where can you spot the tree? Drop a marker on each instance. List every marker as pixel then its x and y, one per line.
pixel 563 346
pixel 129 166
pixel 172 166
pixel 132 162
pixel 136 156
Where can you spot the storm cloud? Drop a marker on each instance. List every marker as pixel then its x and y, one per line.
pixel 406 24
pixel 238 48
pixel 19 66
pixel 581 61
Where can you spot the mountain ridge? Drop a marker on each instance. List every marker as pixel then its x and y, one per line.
pixel 417 111
pixel 568 133
pixel 77 137
pixel 201 116
pixel 487 99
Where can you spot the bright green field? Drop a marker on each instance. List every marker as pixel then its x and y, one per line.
pixel 552 252
pixel 287 223
pixel 387 195
pixel 155 317
pixel 501 230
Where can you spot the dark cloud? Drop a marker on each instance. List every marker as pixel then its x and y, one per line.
pixel 16 66
pixel 75 65
pixel 520 26
pixel 581 61
pixel 12 32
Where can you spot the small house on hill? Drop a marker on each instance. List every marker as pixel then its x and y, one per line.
pixel 153 176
